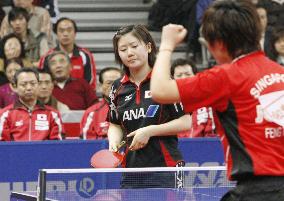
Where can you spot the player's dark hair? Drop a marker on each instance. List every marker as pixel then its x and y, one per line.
pixel 143 35
pixel 234 22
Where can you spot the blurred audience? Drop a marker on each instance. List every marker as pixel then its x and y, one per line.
pixel 39 20
pixel 265 30
pixel 194 46
pixel 277 45
pixel 35 44
pixel 13 47
pixel 164 12
pixel 7 91
pixel 46 86
pixel 94 124
pixel 203 124
pixel 275 11
pixel 82 60
pixel 76 93
pixel 3 78
pixel 51 6
pixel 2 12
pixel 27 119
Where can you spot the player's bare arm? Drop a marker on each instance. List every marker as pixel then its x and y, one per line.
pixel 163 87
pixel 142 135
pixel 115 136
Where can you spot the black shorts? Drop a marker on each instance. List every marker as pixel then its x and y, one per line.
pixel 257 189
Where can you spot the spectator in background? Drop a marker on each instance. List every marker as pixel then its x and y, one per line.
pixel 7 91
pixel 76 93
pixel 277 45
pixel 35 44
pixel 2 13
pixel 39 20
pixel 275 11
pixel 51 6
pixel 194 46
pixel 13 47
pixel 3 78
pixel 265 30
pixel 82 60
pixel 202 123
pixel 28 119
pixel 46 85
pixel 94 124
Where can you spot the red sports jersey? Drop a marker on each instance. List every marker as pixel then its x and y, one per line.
pixel 248 96
pixel 17 123
pixel 93 124
pixel 203 124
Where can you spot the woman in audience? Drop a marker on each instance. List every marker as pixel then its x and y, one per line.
pixel 13 47
pixel 7 94
pixel 149 128
pixel 277 45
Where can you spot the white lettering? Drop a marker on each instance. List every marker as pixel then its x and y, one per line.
pixel 205 178
pixel 133 114
pixel 271 133
pixel 265 82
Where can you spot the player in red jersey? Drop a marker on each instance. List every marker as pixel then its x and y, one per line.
pixel 247 91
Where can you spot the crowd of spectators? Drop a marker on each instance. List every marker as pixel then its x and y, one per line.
pixel 32 35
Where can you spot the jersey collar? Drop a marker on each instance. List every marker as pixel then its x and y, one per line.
pixel 126 78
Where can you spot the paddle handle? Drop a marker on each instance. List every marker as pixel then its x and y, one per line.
pixel 121 144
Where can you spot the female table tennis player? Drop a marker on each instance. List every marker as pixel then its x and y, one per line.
pixel 150 127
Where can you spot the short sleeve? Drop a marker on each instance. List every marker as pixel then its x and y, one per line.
pixel 208 88
pixel 174 111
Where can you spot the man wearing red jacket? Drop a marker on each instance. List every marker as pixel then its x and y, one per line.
pixel 28 119
pixel 82 60
pixel 94 124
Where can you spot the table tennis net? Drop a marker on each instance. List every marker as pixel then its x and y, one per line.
pixel 135 184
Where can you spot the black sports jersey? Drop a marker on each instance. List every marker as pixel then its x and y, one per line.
pixel 132 107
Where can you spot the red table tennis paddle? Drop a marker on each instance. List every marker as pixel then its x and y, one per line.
pixel 107 159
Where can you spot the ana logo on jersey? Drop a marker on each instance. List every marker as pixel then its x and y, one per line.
pixel 140 113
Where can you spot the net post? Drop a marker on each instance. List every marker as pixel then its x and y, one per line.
pixel 41 187
pixel 179 176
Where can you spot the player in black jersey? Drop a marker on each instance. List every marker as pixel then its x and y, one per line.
pixel 149 127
